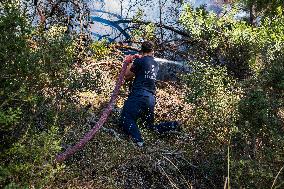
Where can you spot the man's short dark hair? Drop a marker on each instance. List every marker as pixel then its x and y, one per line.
pixel 147 47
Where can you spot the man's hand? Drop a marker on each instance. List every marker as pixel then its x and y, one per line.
pixel 137 56
pixel 130 58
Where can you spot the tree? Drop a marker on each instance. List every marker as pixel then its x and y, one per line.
pixel 259 8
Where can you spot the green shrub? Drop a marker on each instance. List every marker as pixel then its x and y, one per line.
pixel 100 50
pixel 237 108
pixel 220 40
pixel 34 86
pixel 260 148
pixel 215 97
pixel 30 161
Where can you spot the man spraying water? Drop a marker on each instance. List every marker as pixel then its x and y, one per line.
pixel 141 100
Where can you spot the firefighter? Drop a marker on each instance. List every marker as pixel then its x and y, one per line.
pixel 141 100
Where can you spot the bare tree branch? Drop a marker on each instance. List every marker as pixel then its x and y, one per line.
pixel 180 32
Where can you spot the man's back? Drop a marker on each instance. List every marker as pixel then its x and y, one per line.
pixel 145 70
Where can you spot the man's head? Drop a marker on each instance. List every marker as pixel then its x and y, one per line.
pixel 147 47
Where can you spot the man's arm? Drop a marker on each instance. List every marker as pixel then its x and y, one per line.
pixel 129 74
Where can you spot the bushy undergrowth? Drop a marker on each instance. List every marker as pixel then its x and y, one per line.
pixel 237 91
pixel 28 70
pixel 41 75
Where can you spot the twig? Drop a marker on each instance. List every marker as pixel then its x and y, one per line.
pixel 225 185
pixel 276 177
pixel 171 182
pixel 173 153
pixel 188 185
pixel 228 163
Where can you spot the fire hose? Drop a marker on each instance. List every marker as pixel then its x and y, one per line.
pixel 88 136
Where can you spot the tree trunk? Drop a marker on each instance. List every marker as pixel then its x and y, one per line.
pixel 161 15
pixel 252 11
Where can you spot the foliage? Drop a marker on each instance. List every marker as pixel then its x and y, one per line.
pixel 31 159
pixel 100 49
pixel 249 91
pixel 234 109
pixel 215 96
pixel 263 7
pixel 217 39
pixel 143 31
pixel 37 86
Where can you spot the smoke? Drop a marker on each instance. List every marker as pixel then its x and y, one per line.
pixel 198 3
pixel 104 12
pixel 211 5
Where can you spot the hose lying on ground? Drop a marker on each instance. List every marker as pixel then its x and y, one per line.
pixel 73 149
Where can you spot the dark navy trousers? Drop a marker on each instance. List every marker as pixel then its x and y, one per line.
pixel 141 104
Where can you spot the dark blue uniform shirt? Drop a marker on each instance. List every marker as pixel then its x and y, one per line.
pixel 145 70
